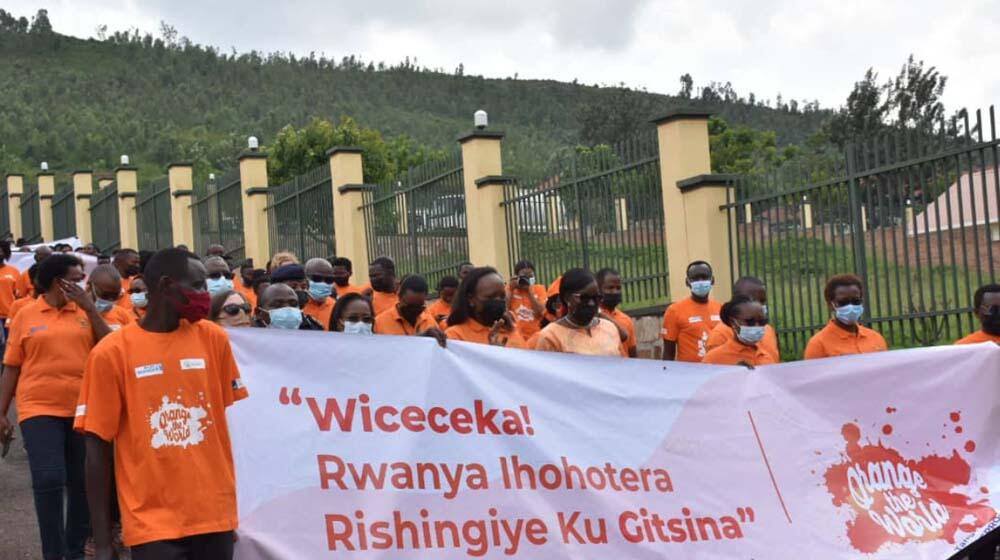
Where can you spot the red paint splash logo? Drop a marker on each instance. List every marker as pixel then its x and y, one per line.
pixel 898 500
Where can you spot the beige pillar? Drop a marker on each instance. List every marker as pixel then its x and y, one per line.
pixel 179 176
pixel 684 153
pixel 807 213
pixel 349 190
pixel 253 182
pixel 15 190
pixel 485 218
pixel 747 213
pixel 402 215
pixel 127 181
pixel 864 218
pixel 709 228
pixel 83 188
pixel 46 190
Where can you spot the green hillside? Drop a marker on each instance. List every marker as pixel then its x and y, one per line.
pixel 81 103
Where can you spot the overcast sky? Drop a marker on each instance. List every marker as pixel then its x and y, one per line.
pixel 813 50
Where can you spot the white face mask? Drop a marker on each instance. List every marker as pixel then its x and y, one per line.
pixel 359 327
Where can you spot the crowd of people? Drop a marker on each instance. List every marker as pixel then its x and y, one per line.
pixel 93 359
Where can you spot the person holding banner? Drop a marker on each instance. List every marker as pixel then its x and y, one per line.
pixel 353 314
pixel 479 311
pixel 408 317
pixel 154 395
pixel 382 272
pixel 441 308
pixel 746 318
pixel 582 330
pixel 844 334
pixel 753 288
pixel 688 322
pixel 987 308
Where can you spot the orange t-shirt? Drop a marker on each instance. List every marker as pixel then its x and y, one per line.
pixel 9 279
pixel 835 341
pixel 391 322
pixel 979 336
pixel 247 292
pixel 50 346
pixel 732 352
pixel 117 317
pixel 320 311
pixel 348 289
pixel 17 306
pixel 688 323
pixel 24 288
pixel 384 300
pixel 473 331
pixel 603 339
pixel 723 333
pixel 625 322
pixel 162 398
pixel 525 320
pixel 125 300
pixel 440 310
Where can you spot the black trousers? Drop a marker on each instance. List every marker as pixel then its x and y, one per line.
pixel 210 546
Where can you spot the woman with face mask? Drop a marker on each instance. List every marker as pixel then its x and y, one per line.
pixel 138 295
pixel 581 330
pixel 230 309
pixel 479 311
pixel 353 314
pixel 748 321
pixel 844 334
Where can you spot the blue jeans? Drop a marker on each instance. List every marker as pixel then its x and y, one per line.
pixel 56 460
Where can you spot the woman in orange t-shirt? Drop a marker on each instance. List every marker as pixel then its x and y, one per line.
pixel 138 295
pixel 479 311
pixel 43 365
pixel 746 317
pixel 582 330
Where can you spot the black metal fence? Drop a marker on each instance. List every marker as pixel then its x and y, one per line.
pixel 595 207
pixel 300 215
pixel 419 220
pixel 31 227
pixel 4 211
pixel 104 218
pixel 218 215
pixel 64 211
pixel 152 208
pixel 914 213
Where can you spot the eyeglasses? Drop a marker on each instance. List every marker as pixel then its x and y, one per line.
pixel 323 279
pixel 136 291
pixel 753 322
pixel 235 308
pixel 589 299
pixel 217 275
pixel 359 319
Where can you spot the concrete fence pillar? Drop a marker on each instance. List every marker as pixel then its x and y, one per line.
pixel 349 191
pixel 83 189
pixel 747 213
pixel 127 181
pixel 621 215
pixel 807 213
pixel 46 191
pixel 15 190
pixel 485 218
pixel 253 182
pixel 181 182
pixel 709 228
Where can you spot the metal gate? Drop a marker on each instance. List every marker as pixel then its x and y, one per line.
pixel 218 215
pixel 300 215
pixel 914 213
pixel 152 207
pixel 4 211
pixel 104 218
pixel 419 220
pixel 64 212
pixel 31 227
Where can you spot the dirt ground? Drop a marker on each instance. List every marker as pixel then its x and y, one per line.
pixel 18 526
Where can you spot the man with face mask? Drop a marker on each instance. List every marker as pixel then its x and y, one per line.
pixel 278 308
pixel 688 322
pixel 220 278
pixel 844 334
pixel 382 273
pixel 126 262
pixel 609 281
pixel 342 271
pixel 294 277
pixel 409 317
pixel 25 288
pixel 320 280
pixel 987 310
pixel 155 394
pixel 104 287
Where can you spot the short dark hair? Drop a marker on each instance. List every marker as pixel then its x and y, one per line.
pixel 258 277
pixel 344 262
pixel 341 305
pixel 447 282
pixel 729 308
pixel 414 283
pixel 460 308
pixel 168 263
pixel 386 263
pixel 839 280
pixel 982 291
pixel 144 257
pixel 523 264
pixel 54 267
pixel 698 263
pixel 604 273
pixel 574 280
pixel 123 252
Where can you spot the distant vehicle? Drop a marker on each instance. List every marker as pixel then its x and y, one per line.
pixel 447 212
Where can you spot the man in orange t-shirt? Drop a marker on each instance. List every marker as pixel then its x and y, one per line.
pixel 342 271
pixel 844 334
pixel 441 308
pixel 754 289
pixel 104 285
pixel 154 394
pixel 10 277
pixel 526 300
pixel 687 323
pixel 987 305
pixel 609 281
pixel 25 287
pixel 243 282
pixel 409 317
pixel 382 273
pixel 319 274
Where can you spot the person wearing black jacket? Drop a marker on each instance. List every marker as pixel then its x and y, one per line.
pixel 279 308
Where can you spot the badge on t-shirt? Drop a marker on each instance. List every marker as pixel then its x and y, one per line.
pixel 694 319
pixel 192 363
pixel 149 370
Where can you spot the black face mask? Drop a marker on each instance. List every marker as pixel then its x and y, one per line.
pixel 411 313
pixel 342 281
pixel 493 310
pixel 991 322
pixel 612 301
pixel 383 285
pixel 132 271
pixel 303 298
pixel 584 314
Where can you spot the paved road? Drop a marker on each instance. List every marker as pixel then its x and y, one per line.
pixel 19 536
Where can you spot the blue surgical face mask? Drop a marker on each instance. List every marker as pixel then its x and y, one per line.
pixel 138 299
pixel 359 327
pixel 289 318
pixel 216 285
pixel 319 291
pixel 701 288
pixel 750 335
pixel 849 314
pixel 103 305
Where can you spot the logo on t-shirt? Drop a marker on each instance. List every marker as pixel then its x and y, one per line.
pixel 192 363
pixel 177 425
pixel 694 319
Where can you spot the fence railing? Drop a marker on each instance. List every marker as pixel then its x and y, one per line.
pixel 419 220
pixel 913 213
pixel 104 218
pixel 31 227
pixel 300 215
pixel 152 207
pixel 595 208
pixel 64 212
pixel 218 215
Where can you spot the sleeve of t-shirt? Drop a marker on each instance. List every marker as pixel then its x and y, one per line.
pixel 814 350
pixel 548 343
pixel 670 330
pixel 14 354
pixel 229 373
pixel 99 406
